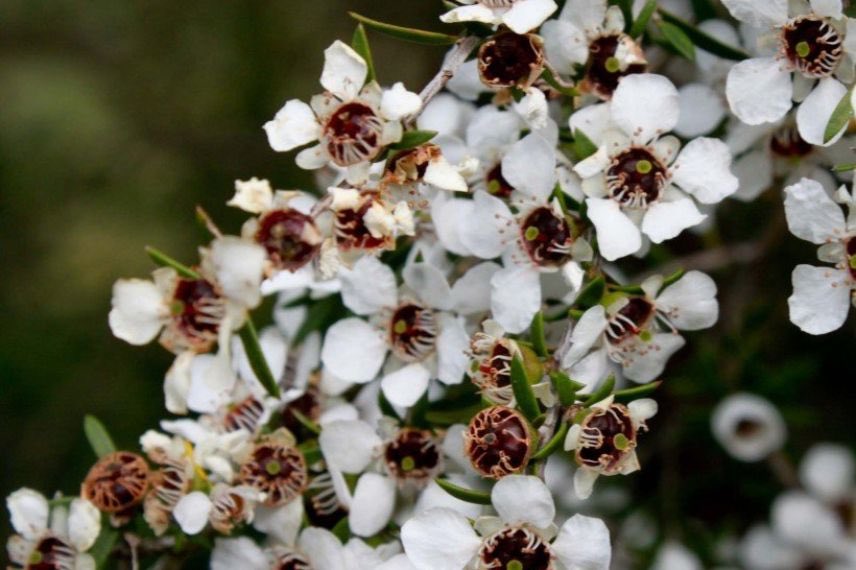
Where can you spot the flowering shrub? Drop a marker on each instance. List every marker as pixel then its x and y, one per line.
pixel 457 336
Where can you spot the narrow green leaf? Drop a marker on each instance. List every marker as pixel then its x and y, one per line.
pixel 554 444
pixel 703 9
pixel 304 421
pixel 602 392
pixel 565 387
pixel 104 544
pixel 464 494
pixel 360 43
pixel 164 260
pixel 638 391
pixel 424 37
pixel 678 39
pixel 444 418
pixel 250 339
pixel 844 167
pixel 673 278
pixel 98 436
pixel 641 21
pixel 703 40
pixel 418 412
pixel 412 139
pixel 551 80
pixel 583 146
pixel 840 117
pixel 523 393
pixel 538 336
pixel 591 293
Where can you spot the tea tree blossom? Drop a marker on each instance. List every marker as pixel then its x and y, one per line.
pixel 749 427
pixel 521 16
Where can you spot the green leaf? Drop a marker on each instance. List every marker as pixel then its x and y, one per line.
pixel 703 9
pixel 250 339
pixel 385 407
pixel 538 337
pixel 98 436
pixel 412 139
pixel 840 117
pixel 565 387
pixel 464 494
pixel 702 39
pixel 638 391
pixel 673 278
pixel 304 421
pixel 678 39
pixel 360 43
pixel 164 260
pixel 554 444
pixel 444 418
pixel 526 401
pixel 844 167
pixel 591 293
pixel 104 544
pixel 641 21
pixel 407 34
pixel 547 75
pixel 583 146
pixel 311 452
pixel 602 392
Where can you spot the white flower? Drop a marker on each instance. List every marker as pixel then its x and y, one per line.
pixel 822 295
pixel 749 427
pixel 352 121
pixel 637 179
pixel 520 16
pixel 442 538
pixel 813 46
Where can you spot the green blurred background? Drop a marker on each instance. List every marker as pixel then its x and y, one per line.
pixel 117 118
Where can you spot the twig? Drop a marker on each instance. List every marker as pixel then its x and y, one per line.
pixel 454 60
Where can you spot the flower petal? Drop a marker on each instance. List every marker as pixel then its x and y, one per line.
pixel 349 445
pixel 353 350
pixel 645 105
pixel 759 14
pixel 471 292
pixel 237 265
pixel 814 113
pixel 827 472
pixel 617 235
pixel 429 283
pixel 323 549
pixel 821 298
pixel 84 524
pixel 439 538
pixel 294 125
pixel 344 71
pixel 665 220
pixel 647 359
pixel 369 286
pixel 253 195
pixel 811 213
pixel 565 44
pixel 452 345
pixel 406 385
pixel 702 110
pixel 242 552
pixel 191 512
pixel 767 433
pixel 515 297
pixel 827 8
pixel 374 499
pixel 690 304
pixel 520 499
pixel 586 332
pixel 583 544
pixel 398 102
pixel 759 90
pixel 703 170
pixel 482 231
pixel 526 15
pixel 530 166
pixel 138 311
pixel 28 511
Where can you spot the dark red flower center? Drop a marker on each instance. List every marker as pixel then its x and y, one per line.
pixel 851 256
pixel 607 437
pixel 197 310
pixel 511 60
pixel 603 69
pixel 546 237
pixel 496 182
pixel 516 548
pixel 812 46
pixel 636 178
pixel 412 332
pixel 277 470
pixel 290 238
pixel 352 232
pixel 630 320
pixel 413 455
pixel 353 134
pixel 787 143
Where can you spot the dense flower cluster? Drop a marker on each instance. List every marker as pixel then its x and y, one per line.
pixel 454 337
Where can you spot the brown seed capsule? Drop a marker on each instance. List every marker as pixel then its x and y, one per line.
pixel 546 237
pixel 630 320
pixel 351 231
pixel 353 134
pixel 636 178
pixel 516 548
pixel 604 69
pixel 607 437
pixel 498 442
pixel 117 482
pixel 290 238
pixel 412 332
pixel 276 468
pixel 511 60
pixel 413 457
pixel 812 46
pixel 197 309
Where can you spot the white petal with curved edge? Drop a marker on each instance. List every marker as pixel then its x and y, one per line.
pixel 450 216
pixel 617 235
pixel 242 552
pixel 312 158
pixel 821 298
pixel 452 345
pixel 515 297
pixel 814 113
pixel 471 292
pixel 593 121
pixel 827 472
pixel 28 511
pixel 754 172
pixel 759 90
pixel 353 350
pixel 591 370
pixel 398 102
pixel 690 303
pixel 665 220
pixel 532 108
pixel 344 72
pixel 349 445
pixel 526 15
pixel 406 385
pixel 645 105
pixel 397 562
pixel 84 524
pixel 294 125
pixel 138 311
pixel 811 213
pixel 584 480
pixel 703 170
pixel 586 14
pixel 759 14
pixel 253 195
pixel 806 522
pixel 484 231
pixel 374 499
pixel 702 109
pixel 530 166
pixel 523 499
pixel 650 357
pixel 429 283
pixel 191 512
pixel 827 8
pixel 768 434
pixel 565 44
pixel 369 286
pixel 445 176
pixel 675 556
pixel 587 331
pixel 322 548
pixel 439 538
pixel 238 265
pixel 282 523
pixel 473 13
pixel 583 544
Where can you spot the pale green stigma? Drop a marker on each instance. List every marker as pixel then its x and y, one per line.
pixel 408 464
pixel 273 467
pixel 621 442
pixel 644 166
pixel 514 565
pixel 531 233
pixel 612 65
pixel 399 327
pixel 803 49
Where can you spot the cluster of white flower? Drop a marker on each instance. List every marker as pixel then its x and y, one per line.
pixel 451 321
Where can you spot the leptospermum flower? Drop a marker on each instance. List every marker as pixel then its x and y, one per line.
pixel 749 427
pixel 631 181
pixel 426 339
pixel 604 441
pixel 640 332
pixel 352 120
pixel 814 45
pixel 590 34
pixel 822 295
pixel 520 16
pixel 523 536
pixel 48 537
